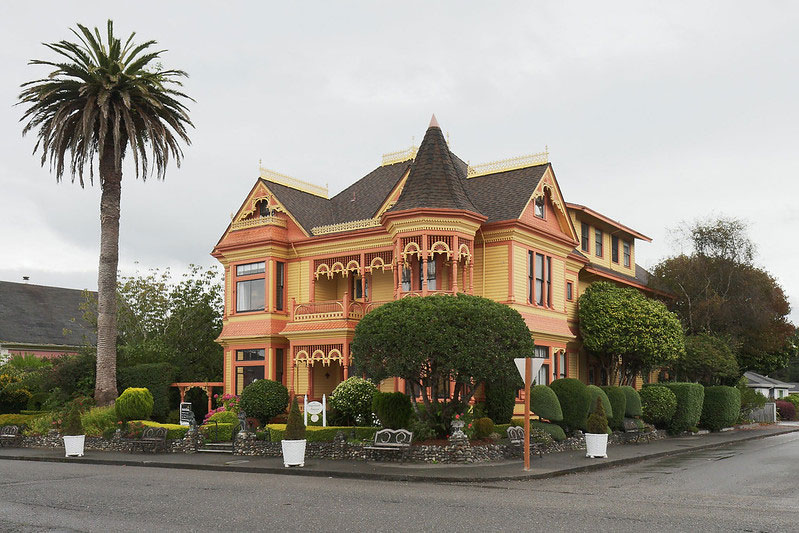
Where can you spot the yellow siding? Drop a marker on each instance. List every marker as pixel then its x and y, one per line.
pixel 325 385
pixel 520 266
pixel 574 365
pixel 583 368
pixel 325 289
pixel 229 372
pixel 297 282
pixel 382 286
pixel 387 385
pixel 496 273
pixel 638 383
pixel 301 377
pixel 478 270
pixel 558 283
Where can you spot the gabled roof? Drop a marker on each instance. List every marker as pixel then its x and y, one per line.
pixel 608 220
pixel 35 314
pixel 504 195
pixel 759 380
pixel 433 181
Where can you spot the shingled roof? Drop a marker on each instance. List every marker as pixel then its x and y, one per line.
pixel 433 181
pixel 504 195
pixel 35 314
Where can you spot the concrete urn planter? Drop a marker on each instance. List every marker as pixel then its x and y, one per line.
pixel 596 445
pixel 293 452
pixel 73 445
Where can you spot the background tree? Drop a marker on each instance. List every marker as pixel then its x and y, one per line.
pixel 627 332
pixel 791 370
pixel 707 360
pixel 433 340
pixel 103 98
pixel 721 292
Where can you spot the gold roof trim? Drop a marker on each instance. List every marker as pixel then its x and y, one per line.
pixel 512 163
pixel 294 183
pixel 399 156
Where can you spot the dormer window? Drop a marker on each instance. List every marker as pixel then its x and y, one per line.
pixel 540 207
pixel 263 209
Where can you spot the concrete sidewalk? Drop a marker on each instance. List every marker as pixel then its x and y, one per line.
pixel 554 464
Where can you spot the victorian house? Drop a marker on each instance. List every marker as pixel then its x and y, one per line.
pixel 302 269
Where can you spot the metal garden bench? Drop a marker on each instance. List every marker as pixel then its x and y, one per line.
pixel 392 440
pixel 9 434
pixel 516 438
pixel 151 437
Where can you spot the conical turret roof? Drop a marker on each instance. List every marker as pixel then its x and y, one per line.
pixel 433 181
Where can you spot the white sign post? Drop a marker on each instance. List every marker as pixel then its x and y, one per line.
pixel 315 409
pixel 526 367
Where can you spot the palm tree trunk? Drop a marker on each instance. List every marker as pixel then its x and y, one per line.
pixel 105 391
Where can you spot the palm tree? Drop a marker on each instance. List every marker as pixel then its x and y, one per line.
pixel 101 99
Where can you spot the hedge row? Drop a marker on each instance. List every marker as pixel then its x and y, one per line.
pixel 618 404
pixel 690 397
pixel 658 404
pixel 721 407
pixel 16 420
pixel 173 431
pixel 324 434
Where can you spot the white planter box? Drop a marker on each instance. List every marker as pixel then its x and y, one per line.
pixel 596 445
pixel 293 452
pixel 73 445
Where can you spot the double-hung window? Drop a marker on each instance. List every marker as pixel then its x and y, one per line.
pixel 598 245
pixel 359 291
pixel 539 279
pixel 406 278
pixel 280 284
pixel 250 287
pixel 626 246
pixel 542 352
pixel 614 249
pixel 530 277
pixel 584 236
pixel 562 365
pixel 431 275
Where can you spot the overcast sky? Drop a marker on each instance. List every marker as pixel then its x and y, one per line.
pixel 654 114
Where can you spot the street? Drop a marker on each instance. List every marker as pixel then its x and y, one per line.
pixel 748 486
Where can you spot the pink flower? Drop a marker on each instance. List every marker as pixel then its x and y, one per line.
pixel 470 425
pixel 216 396
pixel 457 417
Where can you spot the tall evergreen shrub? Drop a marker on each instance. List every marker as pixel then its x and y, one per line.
pixel 295 427
pixel 633 407
pixel 720 408
pixel 393 409
pixel 618 403
pixel 575 402
pixel 690 397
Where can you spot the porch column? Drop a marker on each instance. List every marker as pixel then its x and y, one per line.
pixel 471 275
pixel 464 277
pixel 397 271
pixel 312 285
pixel 424 265
pixel 454 276
pixel 209 392
pixel 182 394
pixel 291 369
pixel 363 277
pixel 345 363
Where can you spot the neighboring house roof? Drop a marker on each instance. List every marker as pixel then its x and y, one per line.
pixel 39 315
pixel 641 275
pixel 756 380
pixel 433 181
pixel 794 387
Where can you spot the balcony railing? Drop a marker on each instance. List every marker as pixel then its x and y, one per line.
pixel 333 310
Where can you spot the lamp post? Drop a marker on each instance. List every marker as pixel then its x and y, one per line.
pixel 525 367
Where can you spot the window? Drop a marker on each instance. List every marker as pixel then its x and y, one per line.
pixel 250 295
pixel 539 279
pixel 406 278
pixel 549 281
pixel 250 268
pixel 569 291
pixel 250 355
pixel 584 236
pixel 357 290
pixel 540 207
pixel 614 249
pixel 280 284
pixel 562 365
pixel 530 277
pixel 431 275
pixel 626 246
pixel 543 376
pixel 246 375
pixel 599 237
pixel 279 359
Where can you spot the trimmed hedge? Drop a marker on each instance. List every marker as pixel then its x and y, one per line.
pixel 786 410
pixel 156 378
pixel 575 402
pixel 173 431
pixel 224 417
pixel 134 404
pixel 720 408
pixel 17 420
pixel 690 397
pixel 544 402
pixel 322 434
pixel 500 401
pixel 618 404
pixel 597 392
pixel 554 430
pixel 633 407
pixel 658 404
pixel 264 399
pixel 393 409
pixel 221 432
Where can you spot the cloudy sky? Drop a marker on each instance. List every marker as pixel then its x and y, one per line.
pixel 654 114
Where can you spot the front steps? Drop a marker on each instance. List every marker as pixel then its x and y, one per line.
pixel 217 447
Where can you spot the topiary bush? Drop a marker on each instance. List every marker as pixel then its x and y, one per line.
pixel 658 404
pixel 155 377
pixel 575 401
pixel 690 397
pixel 544 402
pixel 352 398
pixel 499 402
pixel 222 432
pixel 597 421
pixel 393 409
pixel 554 430
pixel 597 392
pixel 720 408
pixel 72 424
pixel 264 399
pixel 295 427
pixel 224 417
pixel 786 410
pixel 134 404
pixel 618 404
pixel 483 427
pixel 633 407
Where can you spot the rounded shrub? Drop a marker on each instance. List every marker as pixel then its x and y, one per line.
pixel 483 427
pixel 690 397
pixel 134 404
pixel 658 404
pixel 224 417
pixel 353 399
pixel 544 402
pixel 575 401
pixel 793 398
pixel 720 408
pixel 597 392
pixel 618 404
pixel 786 410
pixel 554 430
pixel 499 402
pixel 597 421
pixel 633 407
pixel 264 399
pixel 393 409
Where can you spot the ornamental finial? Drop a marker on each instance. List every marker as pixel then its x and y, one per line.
pixel 433 122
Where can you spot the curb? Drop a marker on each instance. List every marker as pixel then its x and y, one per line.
pixel 375 476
